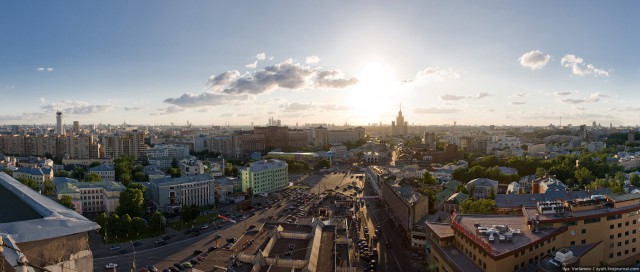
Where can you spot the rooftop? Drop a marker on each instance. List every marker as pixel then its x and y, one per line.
pixel 46 218
pixel 101 168
pixel 180 180
pixel 522 236
pixel 261 165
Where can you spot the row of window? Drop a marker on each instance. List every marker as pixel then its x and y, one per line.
pixel 619 253
pixel 633 222
pixel 626 233
pixel 626 242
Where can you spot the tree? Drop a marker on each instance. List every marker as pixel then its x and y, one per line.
pixel 94 164
pixel 66 201
pixel 540 172
pixel 77 173
pixel 175 172
pixel 131 202
pixel 140 177
pixel 635 179
pixel 427 179
pixel 174 163
pixel 92 177
pixel 32 184
pixel 127 226
pixel 583 175
pixel 102 220
pixel 49 188
pixel 61 173
pixel 477 206
pixel 138 225
pixel 492 194
pixel 138 186
pixel 323 163
pixel 461 189
pixel 156 222
pixel 114 225
pixel 190 213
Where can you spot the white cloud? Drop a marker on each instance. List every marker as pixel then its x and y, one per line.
pixel 258 57
pixel 45 69
pixel 75 107
pixel 562 93
pixel 132 108
pixel 534 59
pixel 437 74
pixel 232 86
pixel 334 79
pixel 515 103
pixel 205 99
pixel 291 107
pixel 311 59
pixel 252 65
pixel 451 97
pixel 595 97
pixel 579 68
pixel 43 100
pixel 168 110
pixel 435 110
pixel 520 94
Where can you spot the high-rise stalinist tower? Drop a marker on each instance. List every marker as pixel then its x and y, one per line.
pixel 59 128
pixel 399 127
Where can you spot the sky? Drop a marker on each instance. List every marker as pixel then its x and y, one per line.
pixel 342 62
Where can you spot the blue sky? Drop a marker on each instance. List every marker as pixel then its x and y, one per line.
pixel 217 62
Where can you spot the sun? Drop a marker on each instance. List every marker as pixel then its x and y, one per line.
pixel 373 95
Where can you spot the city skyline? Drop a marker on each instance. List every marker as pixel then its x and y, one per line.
pixel 209 63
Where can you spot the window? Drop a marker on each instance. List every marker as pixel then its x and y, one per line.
pixel 626 223
pixel 633 231
pixel 619 235
pixel 619 225
pixel 573 233
pixel 610 246
pixel 614 217
pixel 583 241
pixel 611 236
pixel 619 253
pixel 610 226
pixel 592 220
pixel 633 240
pixel 619 243
pixel 573 243
pixel 626 242
pixel 584 231
pixel 610 255
pixel 626 233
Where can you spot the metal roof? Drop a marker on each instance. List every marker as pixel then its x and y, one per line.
pixel 52 220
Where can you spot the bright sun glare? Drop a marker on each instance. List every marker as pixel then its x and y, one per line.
pixel 372 97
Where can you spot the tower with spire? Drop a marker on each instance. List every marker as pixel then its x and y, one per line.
pixel 399 127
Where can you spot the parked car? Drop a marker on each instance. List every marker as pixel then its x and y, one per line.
pixel 212 248
pixel 137 244
pixel 123 251
pixel 231 239
pixel 196 252
pixel 114 247
pixel 111 266
pixel 151 268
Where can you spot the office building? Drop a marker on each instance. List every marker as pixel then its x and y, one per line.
pixel 264 176
pixel 91 197
pixel 168 194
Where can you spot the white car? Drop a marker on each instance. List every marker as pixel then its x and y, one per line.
pixel 111 266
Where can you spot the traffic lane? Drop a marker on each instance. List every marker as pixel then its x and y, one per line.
pixel 203 243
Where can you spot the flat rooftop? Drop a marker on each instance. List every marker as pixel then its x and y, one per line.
pixel 525 237
pixel 531 212
pixel 460 260
pixel 281 247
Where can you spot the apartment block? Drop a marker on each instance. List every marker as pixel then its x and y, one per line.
pixel 170 193
pixel 264 176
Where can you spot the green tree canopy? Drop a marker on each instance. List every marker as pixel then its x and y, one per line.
pixel 131 202
pixel 480 206
pixel 66 201
pixel 92 177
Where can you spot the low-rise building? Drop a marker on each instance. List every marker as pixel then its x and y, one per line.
pixel 170 193
pixel 38 175
pixel 482 188
pixel 405 204
pixel 106 172
pixel 191 167
pixel 264 176
pixel 91 197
